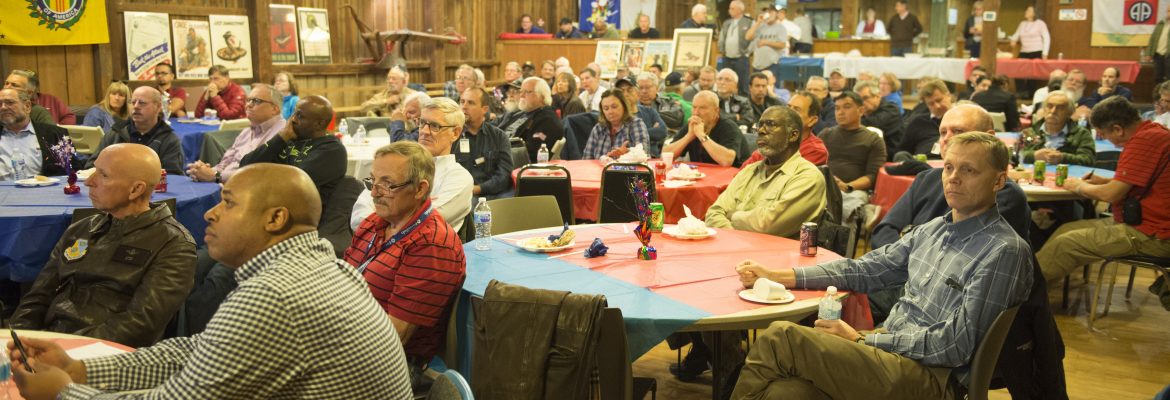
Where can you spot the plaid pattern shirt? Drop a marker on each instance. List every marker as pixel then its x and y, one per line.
pixel 301 325
pixel 601 143
pixel 958 277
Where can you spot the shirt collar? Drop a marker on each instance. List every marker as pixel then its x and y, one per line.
pixel 266 125
pixel 970 226
pixel 1063 130
pixel 788 167
pixel 261 261
pixel 27 128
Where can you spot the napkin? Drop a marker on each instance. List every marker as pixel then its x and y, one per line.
pixel 676 184
pixel 690 225
pixel 683 171
pixel 636 155
pixel 596 249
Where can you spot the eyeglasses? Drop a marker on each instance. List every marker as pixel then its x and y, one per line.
pixel 255 101
pixel 383 187
pixel 432 126
pixel 770 125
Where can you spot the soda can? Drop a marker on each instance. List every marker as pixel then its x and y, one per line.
pixel 920 157
pixel 1061 174
pixel 161 187
pixel 808 239
pixel 657 216
pixel 659 172
pixel 1038 171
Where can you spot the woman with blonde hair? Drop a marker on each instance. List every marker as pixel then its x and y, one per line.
pixel 112 109
pixel 287 86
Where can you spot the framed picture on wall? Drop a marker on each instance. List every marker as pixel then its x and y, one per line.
pixel 282 34
pixel 231 44
pixel 313 24
pixel 145 48
pixel 633 52
pixel 658 52
pixel 192 48
pixel 692 48
pixel 608 55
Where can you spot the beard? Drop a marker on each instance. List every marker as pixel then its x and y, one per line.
pixel 510 106
pixel 1074 95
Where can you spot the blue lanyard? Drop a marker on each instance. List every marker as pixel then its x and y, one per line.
pixel 390 242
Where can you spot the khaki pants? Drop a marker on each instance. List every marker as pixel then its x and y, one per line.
pixel 1076 244
pixel 789 361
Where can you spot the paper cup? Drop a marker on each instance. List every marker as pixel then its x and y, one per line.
pixel 766 289
pixel 668 158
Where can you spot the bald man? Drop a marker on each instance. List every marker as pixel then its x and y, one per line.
pixel 119 275
pixel 280 335
pixel 709 137
pixel 146 127
pixel 305 143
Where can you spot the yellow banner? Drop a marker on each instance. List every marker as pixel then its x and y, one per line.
pixel 53 22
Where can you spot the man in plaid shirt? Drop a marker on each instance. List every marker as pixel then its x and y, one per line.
pixel 301 324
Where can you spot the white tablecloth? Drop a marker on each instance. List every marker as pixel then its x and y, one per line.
pixel 947 69
pixel 362 155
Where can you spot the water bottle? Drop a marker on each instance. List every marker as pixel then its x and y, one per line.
pixel 483 225
pixel 18 167
pixel 359 136
pixel 5 372
pixel 343 127
pixel 1060 56
pixel 830 308
pixel 166 106
pixel 542 154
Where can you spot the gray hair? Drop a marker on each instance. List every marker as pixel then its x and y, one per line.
pixel 1060 93
pixel 421 97
pixel 730 72
pixel 820 79
pixel 478 77
pixel 871 85
pixel 646 76
pixel 277 99
pixel 698 8
pixel 541 89
pixel 420 164
pixel 452 113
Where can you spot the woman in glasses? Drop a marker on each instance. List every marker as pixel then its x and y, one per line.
pixel 112 109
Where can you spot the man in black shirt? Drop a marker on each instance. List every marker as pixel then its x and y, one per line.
pixel 536 121
pixel 146 127
pixel 921 134
pixel 880 113
pixel 483 149
pixel 759 89
pixel 643 31
pixel 708 137
pixel 305 143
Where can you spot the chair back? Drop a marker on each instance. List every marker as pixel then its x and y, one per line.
pixel 559 185
pixel 616 201
pixel 450 386
pixel 577 128
pixel 749 143
pixel 523 213
pixel 83 213
pixel 833 198
pixel 1107 160
pixel 85 138
pixel 987 354
pixel 519 152
pixel 997 120
pixel 614 374
pixel 555 153
pixel 837 238
pixel 234 124
pixel 215 144
pixel 335 213
pixel 371 123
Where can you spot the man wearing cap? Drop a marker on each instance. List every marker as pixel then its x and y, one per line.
pixel 511 73
pixel 655 126
pixel 566 31
pixel 668 107
pixel 734 42
pixel 643 31
pixel 838 83
pixel 672 88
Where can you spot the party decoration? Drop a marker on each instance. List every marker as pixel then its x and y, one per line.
pixel 597 249
pixel 63 153
pixel 641 194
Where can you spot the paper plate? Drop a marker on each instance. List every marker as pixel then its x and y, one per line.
pixel 32 182
pixel 527 245
pixel 750 295
pixel 673 231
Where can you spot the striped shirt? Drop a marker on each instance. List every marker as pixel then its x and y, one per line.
pixel 301 325
pixel 958 277
pixel 416 279
pixel 1138 163
pixel 601 142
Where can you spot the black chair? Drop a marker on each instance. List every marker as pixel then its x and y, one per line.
pixel 558 184
pixel 615 375
pixel 616 201
pixel 335 214
pixel 835 237
pixel 519 152
pixel 832 196
pixel 1159 264
pixel 577 130
pixel 83 213
pixel 1107 160
pixel 982 367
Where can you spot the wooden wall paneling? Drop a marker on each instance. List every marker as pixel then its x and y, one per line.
pixel 79 60
pixel 262 70
pixel 990 45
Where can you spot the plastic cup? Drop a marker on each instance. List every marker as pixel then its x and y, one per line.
pixel 668 158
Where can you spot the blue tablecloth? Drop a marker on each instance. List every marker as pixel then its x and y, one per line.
pixel 798 69
pixel 191 137
pixel 32 220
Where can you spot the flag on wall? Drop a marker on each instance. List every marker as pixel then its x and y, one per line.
pixel 1126 23
pixel 53 22
pixel 597 10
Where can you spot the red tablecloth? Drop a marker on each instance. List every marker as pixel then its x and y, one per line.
pixel 586 176
pixel 1039 69
pixel 889 188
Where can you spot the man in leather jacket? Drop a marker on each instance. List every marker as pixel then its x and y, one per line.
pixel 119 275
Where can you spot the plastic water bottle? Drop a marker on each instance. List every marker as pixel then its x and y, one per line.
pixel 343 127
pixel 5 372
pixel 830 307
pixel 166 106
pixel 542 154
pixel 359 136
pixel 483 225
pixel 18 166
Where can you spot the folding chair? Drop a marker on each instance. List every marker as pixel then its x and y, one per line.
pixel 982 366
pixel 555 181
pixel 524 213
pixel 616 203
pixel 1159 264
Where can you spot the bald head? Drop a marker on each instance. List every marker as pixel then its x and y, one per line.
pixel 312 117
pixel 963 118
pixel 262 205
pixel 133 161
pixel 125 179
pixel 268 186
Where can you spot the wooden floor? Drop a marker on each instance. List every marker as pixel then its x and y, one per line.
pixel 1126 357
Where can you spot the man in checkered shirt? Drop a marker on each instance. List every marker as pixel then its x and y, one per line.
pixel 301 324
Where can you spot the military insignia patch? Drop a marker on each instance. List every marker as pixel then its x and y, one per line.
pixel 77 250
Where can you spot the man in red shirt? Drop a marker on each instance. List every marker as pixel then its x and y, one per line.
pixel 29 82
pixel 223 95
pixel 1141 173
pixel 411 258
pixel 164 76
pixel 811 147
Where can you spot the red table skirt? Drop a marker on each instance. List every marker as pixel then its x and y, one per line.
pixel 1039 69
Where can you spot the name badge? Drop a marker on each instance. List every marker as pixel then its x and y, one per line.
pixel 479 161
pixel 464 145
pixel 131 255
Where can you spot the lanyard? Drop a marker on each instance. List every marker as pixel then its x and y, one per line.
pixel 390 242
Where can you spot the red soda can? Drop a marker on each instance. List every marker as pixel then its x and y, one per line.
pixel 660 171
pixel 808 239
pixel 161 187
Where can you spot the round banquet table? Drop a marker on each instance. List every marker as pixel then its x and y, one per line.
pixel 361 155
pixel 191 137
pixel 32 219
pixel 586 175
pixel 78 347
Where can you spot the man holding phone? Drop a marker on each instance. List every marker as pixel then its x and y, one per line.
pixel 301 324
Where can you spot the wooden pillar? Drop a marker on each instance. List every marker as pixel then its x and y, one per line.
pixel 849 12
pixel 990 45
pixel 433 18
pixel 258 15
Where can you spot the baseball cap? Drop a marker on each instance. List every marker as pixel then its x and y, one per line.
pixel 674 78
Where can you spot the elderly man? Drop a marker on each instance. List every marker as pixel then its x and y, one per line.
pixel 30 82
pixel 655 126
pixel 1140 179
pixel 855 153
pixel 264 105
pixel 709 137
pixel 590 89
pixel 934 330
pixel 536 121
pixel 23 139
pixel 119 275
pixel 305 143
pixel 1056 77
pixel 452 186
pixel 811 146
pixel 404 120
pixel 270 338
pixel 385 102
pixel 224 96
pixel 146 127
pixel 819 87
pixel 698 19
pixel 760 93
pixel 1058 140
pixel 668 108
pixel 732 106
pixel 903 28
pixel 464 78
pixel 643 31
pixel 733 43
pixel 1074 84
pixel 880 113
pixel 706 81
pixel 511 74
pixel 769 38
pixel 164 77
pixel 409 255
pixel 1110 86
pixel 921 134
pixel 483 149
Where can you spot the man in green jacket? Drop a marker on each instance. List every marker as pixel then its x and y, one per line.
pixel 1057 140
pixel 1158 50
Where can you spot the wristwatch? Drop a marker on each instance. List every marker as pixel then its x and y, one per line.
pixel 860 339
pixel 704 139
pixel 848 188
pixel 218 177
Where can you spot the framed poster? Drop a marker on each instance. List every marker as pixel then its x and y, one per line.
pixel 692 48
pixel 633 53
pixel 231 44
pixel 608 55
pixel 282 34
pixel 192 48
pixel 145 48
pixel 658 52
pixel 314 31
